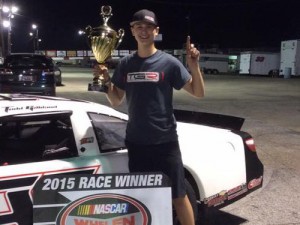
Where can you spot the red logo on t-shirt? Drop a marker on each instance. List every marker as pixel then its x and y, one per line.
pixel 143 77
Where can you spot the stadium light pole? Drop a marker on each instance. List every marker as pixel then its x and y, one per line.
pixel 10 11
pixel 36 39
pixel 2 43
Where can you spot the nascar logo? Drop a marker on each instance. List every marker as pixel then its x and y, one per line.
pixel 98 209
pixel 105 209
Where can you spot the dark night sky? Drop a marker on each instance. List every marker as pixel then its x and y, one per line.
pixel 225 23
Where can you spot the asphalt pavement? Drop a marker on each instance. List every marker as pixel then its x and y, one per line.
pixel 271 108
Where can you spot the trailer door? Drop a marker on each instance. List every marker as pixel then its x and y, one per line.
pixel 245 63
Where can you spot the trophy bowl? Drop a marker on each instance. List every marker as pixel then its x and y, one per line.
pixel 102 40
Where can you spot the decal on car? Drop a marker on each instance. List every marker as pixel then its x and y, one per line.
pixel 87 140
pixel 221 197
pixel 16 195
pixel 5 206
pixel 216 199
pixel 30 108
pixel 237 191
pixel 255 182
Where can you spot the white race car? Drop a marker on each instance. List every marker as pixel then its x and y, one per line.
pixel 41 136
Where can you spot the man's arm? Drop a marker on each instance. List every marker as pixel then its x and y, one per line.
pixel 195 86
pixel 114 95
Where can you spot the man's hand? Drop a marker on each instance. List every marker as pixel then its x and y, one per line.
pixel 101 73
pixel 192 55
pixel 195 86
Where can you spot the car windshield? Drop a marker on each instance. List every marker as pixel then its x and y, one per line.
pixel 17 61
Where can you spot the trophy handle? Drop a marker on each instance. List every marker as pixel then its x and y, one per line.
pixel 120 36
pixel 88 32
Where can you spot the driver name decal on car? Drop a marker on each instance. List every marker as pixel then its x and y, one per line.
pixel 30 108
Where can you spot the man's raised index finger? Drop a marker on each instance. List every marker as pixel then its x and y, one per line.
pixel 188 43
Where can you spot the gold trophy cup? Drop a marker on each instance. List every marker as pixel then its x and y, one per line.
pixel 103 41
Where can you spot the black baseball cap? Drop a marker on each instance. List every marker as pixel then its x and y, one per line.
pixel 144 15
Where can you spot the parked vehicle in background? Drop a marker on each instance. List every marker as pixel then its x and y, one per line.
pixel 259 63
pixel 28 73
pixel 290 58
pixel 214 63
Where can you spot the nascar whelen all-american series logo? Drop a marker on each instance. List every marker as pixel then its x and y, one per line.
pixel 105 209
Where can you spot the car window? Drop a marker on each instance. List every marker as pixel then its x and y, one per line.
pixel 34 138
pixel 110 132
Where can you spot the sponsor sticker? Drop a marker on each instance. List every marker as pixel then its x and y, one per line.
pixel 223 196
pixel 87 140
pixel 216 199
pixel 255 182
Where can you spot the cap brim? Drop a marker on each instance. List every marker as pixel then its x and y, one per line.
pixel 142 21
pixel 133 22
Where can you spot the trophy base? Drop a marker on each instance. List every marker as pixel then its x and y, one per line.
pixel 98 88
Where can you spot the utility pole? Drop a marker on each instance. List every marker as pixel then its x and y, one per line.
pixel 10 11
pixel 2 43
pixel 36 38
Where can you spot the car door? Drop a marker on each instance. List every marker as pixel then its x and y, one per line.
pixel 42 145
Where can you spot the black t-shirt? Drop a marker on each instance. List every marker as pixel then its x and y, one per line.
pixel 148 84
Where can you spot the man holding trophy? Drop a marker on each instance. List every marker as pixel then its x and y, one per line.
pixel 147 78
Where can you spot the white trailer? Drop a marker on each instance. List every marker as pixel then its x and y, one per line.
pixel 214 63
pixel 259 63
pixel 290 58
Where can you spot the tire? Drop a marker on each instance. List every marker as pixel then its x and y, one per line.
pixel 58 81
pixel 215 72
pixel 193 200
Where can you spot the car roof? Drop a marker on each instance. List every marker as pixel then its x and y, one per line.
pixel 20 56
pixel 12 55
pixel 14 104
pixel 23 97
pixel 27 53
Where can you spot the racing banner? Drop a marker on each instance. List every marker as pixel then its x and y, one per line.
pixel 103 199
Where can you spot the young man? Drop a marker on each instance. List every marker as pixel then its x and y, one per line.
pixel 147 79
